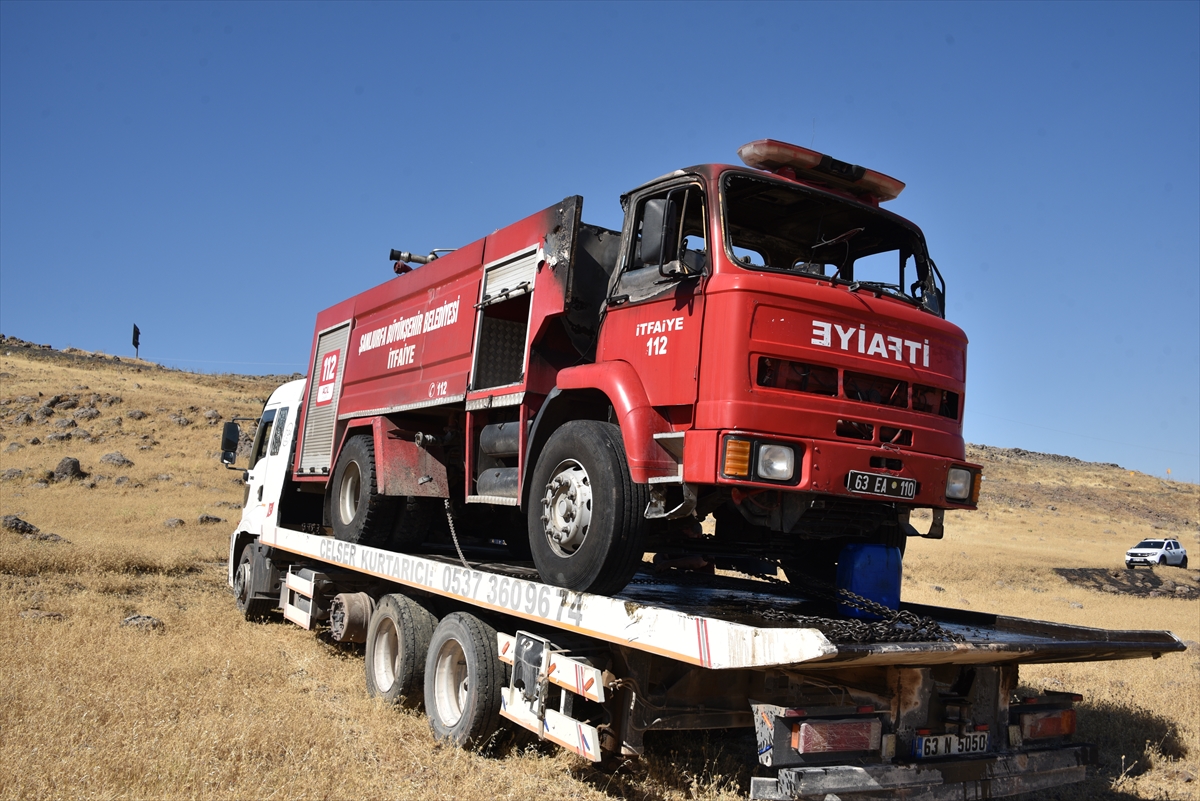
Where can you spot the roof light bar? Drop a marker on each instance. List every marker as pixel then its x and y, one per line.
pixel 800 163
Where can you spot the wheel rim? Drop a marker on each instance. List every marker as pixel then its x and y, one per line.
pixel 567 508
pixel 450 685
pixel 386 654
pixel 241 584
pixel 348 493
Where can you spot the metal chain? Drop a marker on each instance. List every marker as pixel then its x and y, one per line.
pixel 895 626
pixel 454 534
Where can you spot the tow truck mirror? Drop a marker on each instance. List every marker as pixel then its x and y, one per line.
pixel 231 434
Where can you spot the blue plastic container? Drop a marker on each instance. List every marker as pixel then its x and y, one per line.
pixel 872 571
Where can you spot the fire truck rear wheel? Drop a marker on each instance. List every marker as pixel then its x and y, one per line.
pixel 463 680
pixel 416 520
pixel 587 530
pixel 361 514
pixel 243 587
pixel 397 643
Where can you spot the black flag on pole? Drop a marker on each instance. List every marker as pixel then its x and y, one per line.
pixel 137 334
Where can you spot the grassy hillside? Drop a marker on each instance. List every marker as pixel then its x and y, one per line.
pixel 206 705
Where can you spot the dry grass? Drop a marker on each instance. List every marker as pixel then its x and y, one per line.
pixel 214 707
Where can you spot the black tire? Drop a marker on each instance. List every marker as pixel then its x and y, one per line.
pixel 463 680
pixel 360 513
pixel 1183 562
pixel 397 646
pixel 1129 565
pixel 416 521
pixel 514 530
pixel 1162 560
pixel 601 529
pixel 243 585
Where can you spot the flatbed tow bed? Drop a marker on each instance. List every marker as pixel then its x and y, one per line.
pixel 689 652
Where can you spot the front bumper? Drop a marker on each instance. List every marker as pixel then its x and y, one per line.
pixel 975 777
pixel 823 466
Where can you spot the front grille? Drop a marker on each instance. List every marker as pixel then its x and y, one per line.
pixel 876 390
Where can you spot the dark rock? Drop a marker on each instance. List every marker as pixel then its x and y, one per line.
pixel 17 525
pixel 58 436
pixel 87 413
pixel 111 400
pixel 43 413
pixel 66 422
pixel 206 519
pixel 24 419
pixel 68 469
pixel 136 414
pixel 11 474
pixel 212 416
pixel 26 399
pixel 117 459
pixel 38 614
pixel 13 447
pixel 180 420
pixel 81 433
pixel 34 441
pixel 143 622
pixel 46 536
pixel 40 485
pixel 174 522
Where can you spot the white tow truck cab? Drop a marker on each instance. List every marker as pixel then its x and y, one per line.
pixel 480 638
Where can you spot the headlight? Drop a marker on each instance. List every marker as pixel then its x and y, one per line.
pixel 776 462
pixel 958 484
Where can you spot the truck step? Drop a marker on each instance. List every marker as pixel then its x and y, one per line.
pixel 301 596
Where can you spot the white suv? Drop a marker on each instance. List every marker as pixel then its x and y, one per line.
pixel 1156 552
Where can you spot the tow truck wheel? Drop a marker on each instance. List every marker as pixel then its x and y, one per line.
pixel 243 588
pixel 361 514
pixel 587 530
pixel 397 643
pixel 463 680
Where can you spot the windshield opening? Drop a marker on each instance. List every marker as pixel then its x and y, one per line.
pixel 1156 544
pixel 778 227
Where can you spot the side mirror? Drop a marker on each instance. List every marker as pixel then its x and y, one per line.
pixel 660 229
pixel 231 435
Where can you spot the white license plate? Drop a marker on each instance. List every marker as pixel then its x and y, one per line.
pixel 875 484
pixel 950 744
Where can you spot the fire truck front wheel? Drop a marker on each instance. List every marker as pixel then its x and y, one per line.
pixel 397 643
pixel 361 513
pixel 586 527
pixel 463 680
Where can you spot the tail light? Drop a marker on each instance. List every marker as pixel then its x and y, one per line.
pixel 829 736
pixel 1054 723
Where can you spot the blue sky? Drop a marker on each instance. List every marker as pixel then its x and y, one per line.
pixel 219 172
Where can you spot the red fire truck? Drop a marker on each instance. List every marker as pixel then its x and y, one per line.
pixel 762 343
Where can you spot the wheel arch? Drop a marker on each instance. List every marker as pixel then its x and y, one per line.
pixel 237 543
pixel 587 392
